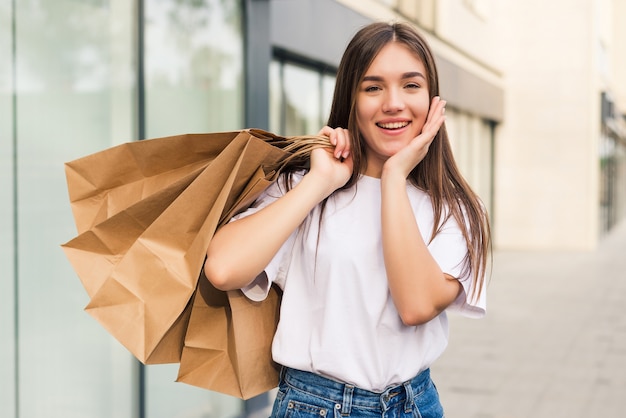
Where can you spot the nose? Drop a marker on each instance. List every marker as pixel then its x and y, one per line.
pixel 393 101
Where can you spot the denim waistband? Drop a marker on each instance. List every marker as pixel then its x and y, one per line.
pixel 345 395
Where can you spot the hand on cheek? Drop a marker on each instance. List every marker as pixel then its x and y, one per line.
pixel 409 157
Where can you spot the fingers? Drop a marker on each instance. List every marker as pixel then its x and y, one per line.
pixel 419 146
pixel 340 138
pixel 436 116
pixel 334 172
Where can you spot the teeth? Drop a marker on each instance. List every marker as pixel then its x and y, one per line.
pixel 393 125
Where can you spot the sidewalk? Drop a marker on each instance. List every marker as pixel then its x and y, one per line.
pixel 553 343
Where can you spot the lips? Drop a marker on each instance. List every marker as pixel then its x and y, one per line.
pixel 393 125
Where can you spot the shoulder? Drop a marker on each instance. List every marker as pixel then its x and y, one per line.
pixel 283 183
pixel 421 202
pixel 275 190
pixel 426 212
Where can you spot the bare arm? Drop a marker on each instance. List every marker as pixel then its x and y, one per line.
pixel 240 250
pixel 419 288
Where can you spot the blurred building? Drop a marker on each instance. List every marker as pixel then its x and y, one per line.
pixel 561 151
pixel 536 93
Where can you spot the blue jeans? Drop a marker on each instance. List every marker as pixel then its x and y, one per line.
pixel 307 395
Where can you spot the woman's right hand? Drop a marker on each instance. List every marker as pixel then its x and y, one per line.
pixel 241 249
pixel 333 166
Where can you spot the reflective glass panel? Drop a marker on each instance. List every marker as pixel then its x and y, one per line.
pixel 193 65
pixel 74 89
pixel 301 100
pixel 7 271
pixel 276 98
pixel 328 88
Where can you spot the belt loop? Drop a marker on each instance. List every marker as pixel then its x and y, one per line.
pixel 408 402
pixel 346 403
pixel 282 373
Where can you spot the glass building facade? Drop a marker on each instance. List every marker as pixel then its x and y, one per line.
pixel 76 78
pixel 290 81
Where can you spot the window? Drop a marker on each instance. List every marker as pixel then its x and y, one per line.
pixel 193 66
pixel 300 96
pixel 471 138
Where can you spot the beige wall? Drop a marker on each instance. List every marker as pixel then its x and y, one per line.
pixel 555 59
pixel 546 182
pixel 470 26
pixel 618 52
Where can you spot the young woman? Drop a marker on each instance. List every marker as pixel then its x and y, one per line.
pixel 371 245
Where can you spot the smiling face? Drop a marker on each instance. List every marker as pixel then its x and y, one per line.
pixel 391 104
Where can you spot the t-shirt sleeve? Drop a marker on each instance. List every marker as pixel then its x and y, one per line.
pixel 275 271
pixel 449 249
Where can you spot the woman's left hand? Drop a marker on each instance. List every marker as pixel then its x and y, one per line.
pixel 405 160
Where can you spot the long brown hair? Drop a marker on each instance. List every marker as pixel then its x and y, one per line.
pixel 437 173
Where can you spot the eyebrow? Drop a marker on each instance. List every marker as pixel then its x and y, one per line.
pixel 410 74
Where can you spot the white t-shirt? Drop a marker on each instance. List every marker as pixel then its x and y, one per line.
pixel 337 317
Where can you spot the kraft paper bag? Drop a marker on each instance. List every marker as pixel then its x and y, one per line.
pixel 240 365
pixel 107 182
pixel 140 266
pixel 145 213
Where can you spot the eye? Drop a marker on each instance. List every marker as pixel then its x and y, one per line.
pixel 412 86
pixel 371 89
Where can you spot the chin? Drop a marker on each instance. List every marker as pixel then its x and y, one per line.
pixel 393 151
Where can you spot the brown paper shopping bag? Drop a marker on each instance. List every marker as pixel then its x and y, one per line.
pixel 240 365
pixel 145 213
pixel 140 266
pixel 107 182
